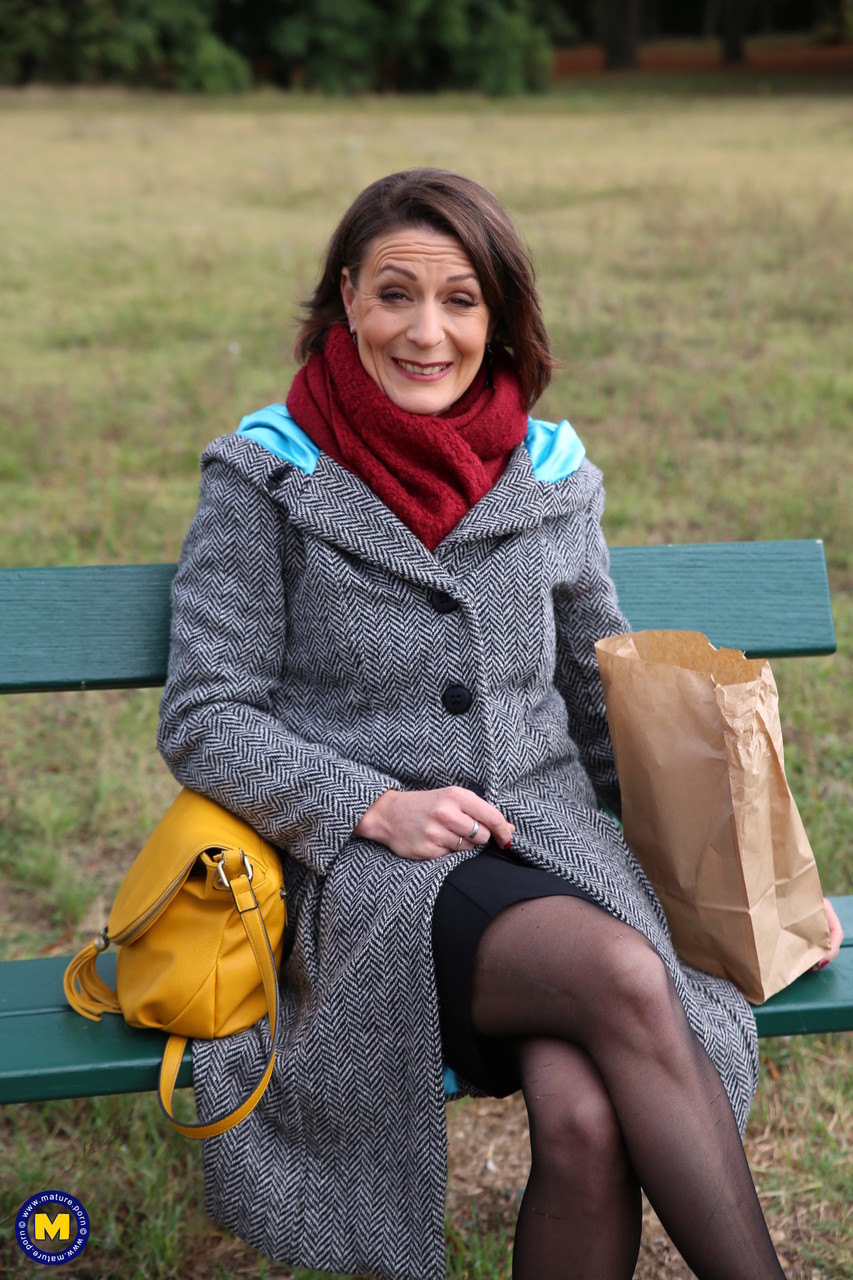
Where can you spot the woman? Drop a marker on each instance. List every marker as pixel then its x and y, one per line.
pixel 382 658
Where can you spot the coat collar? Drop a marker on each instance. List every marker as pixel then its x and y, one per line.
pixel 338 507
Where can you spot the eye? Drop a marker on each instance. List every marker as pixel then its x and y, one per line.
pixel 393 295
pixel 462 300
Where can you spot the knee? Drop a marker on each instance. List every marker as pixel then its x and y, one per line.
pixel 639 1000
pixel 576 1141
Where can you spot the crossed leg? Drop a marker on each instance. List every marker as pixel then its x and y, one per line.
pixel 581 1215
pixel 561 969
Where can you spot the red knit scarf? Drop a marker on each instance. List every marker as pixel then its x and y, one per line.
pixel 428 470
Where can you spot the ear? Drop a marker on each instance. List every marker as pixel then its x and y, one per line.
pixel 347 293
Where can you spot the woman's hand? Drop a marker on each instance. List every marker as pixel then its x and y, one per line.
pixel 836 935
pixel 428 824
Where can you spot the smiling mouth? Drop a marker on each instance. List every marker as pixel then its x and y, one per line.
pixel 423 370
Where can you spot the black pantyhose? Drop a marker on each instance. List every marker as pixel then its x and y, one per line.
pixel 582 1212
pixel 596 1017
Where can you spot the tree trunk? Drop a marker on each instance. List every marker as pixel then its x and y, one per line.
pixel 711 18
pixel 620 32
pixel 734 21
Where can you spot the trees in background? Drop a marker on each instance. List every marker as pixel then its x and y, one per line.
pixel 422 45
pixel 618 24
pixel 703 17
pixel 138 42
pixel 340 46
pixel 344 46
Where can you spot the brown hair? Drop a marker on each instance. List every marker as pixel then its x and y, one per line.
pixel 455 206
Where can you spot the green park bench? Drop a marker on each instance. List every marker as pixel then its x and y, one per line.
pixel 108 628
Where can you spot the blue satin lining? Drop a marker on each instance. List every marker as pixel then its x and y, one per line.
pixel 555 449
pixel 274 428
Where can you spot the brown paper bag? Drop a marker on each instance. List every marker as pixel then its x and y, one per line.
pixel 706 806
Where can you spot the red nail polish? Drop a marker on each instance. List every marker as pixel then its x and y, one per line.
pixel 508 844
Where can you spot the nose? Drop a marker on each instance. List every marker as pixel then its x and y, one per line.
pixel 426 328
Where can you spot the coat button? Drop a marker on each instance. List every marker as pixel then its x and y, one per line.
pixel 457 699
pixel 442 602
pixel 274 479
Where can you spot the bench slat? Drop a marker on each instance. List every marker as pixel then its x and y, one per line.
pixel 770 599
pixel 51 1052
pixel 107 626
pixel 98 627
pixel 61 1055
pixel 817 1002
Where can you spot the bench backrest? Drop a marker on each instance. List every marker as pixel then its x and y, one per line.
pixel 107 627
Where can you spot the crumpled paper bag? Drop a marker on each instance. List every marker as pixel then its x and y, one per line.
pixel 706 806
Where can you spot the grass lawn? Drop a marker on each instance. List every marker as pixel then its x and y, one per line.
pixel 694 256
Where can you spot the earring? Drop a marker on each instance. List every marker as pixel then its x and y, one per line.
pixel 354 336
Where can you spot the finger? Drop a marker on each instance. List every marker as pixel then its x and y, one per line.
pixel 475 833
pixel 498 827
pixel 501 833
pixel 492 821
pixel 454 843
pixel 836 933
pixel 836 936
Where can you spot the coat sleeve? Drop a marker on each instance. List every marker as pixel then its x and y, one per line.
pixel 584 614
pixel 218 733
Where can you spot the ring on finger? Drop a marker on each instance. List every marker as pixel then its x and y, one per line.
pixel 460 844
pixel 474 830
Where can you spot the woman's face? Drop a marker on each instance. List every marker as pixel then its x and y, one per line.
pixel 419 316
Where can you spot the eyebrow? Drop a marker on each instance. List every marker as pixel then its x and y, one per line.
pixel 410 275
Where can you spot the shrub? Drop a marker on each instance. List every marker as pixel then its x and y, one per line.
pixel 211 67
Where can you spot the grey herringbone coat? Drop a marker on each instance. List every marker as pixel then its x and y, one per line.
pixel 307 670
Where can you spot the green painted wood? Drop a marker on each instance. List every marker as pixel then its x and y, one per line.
pixel 49 1051
pixel 107 627
pixel 816 1002
pixel 770 599
pixel 98 627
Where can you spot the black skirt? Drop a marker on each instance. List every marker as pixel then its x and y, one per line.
pixel 469 899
